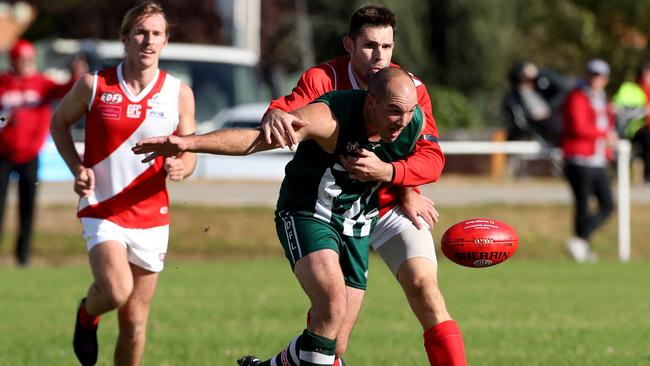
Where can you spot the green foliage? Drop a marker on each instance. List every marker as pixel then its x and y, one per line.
pixel 464 45
pixel 452 109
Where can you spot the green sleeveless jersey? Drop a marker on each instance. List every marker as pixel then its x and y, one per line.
pixel 317 184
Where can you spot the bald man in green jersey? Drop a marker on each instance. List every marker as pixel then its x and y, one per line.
pixel 324 214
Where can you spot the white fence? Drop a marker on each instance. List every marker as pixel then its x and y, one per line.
pixel 270 166
pixel 534 148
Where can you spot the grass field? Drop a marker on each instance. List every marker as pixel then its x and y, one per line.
pixel 226 291
pixel 208 313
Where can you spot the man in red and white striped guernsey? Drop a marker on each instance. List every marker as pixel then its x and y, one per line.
pixel 124 205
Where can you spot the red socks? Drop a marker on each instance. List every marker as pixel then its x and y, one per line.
pixel 87 321
pixel 444 345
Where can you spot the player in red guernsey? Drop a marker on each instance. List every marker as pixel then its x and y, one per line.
pixel 401 237
pixel 124 206
pixel 25 98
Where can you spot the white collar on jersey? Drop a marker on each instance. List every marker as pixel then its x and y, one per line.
pixel 353 80
pixel 355 85
pixel 143 93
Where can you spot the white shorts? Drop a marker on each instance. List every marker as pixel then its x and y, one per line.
pixel 396 240
pixel 390 224
pixel 146 248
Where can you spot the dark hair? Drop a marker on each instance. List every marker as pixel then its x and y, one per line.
pixel 642 69
pixel 145 9
pixel 378 84
pixel 376 15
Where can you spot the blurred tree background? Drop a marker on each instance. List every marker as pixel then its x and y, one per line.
pixel 462 49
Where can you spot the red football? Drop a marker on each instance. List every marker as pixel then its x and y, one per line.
pixel 479 242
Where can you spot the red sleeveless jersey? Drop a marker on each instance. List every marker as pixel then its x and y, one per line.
pixel 128 192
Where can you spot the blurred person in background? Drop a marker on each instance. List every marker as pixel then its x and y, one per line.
pixel 588 136
pixel 531 108
pixel 402 237
pixel 632 103
pixel 25 104
pixel 124 205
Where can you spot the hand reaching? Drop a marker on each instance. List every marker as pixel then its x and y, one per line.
pixel 417 207
pixel 167 146
pixel 281 126
pixel 366 166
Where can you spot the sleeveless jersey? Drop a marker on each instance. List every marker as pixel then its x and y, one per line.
pixel 317 183
pixel 128 192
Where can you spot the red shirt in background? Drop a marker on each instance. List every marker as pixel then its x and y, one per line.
pixel 581 133
pixel 25 101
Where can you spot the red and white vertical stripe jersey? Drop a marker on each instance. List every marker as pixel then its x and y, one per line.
pixel 128 192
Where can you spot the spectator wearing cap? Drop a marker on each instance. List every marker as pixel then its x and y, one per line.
pixel 588 136
pixel 25 97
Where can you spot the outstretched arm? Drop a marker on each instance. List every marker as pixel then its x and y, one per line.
pixel 241 141
pixel 231 141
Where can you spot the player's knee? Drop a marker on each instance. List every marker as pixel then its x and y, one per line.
pixel 417 278
pixel 422 286
pixel 118 294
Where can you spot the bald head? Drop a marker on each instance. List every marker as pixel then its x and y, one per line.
pixel 391 82
pixel 390 104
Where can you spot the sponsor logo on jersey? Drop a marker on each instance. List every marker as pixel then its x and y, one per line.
pixel 372 214
pixel 155 100
pixel 164 210
pixel 111 98
pixel 110 111
pixel 155 113
pixel 134 111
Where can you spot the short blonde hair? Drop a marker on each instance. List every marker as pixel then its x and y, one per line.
pixel 146 9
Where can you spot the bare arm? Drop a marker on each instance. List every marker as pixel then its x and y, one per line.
pixel 181 166
pixel 243 141
pixel 72 107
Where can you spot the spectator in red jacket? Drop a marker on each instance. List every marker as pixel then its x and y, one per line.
pixel 587 138
pixel 25 97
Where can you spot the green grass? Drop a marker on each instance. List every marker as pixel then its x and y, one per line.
pixel 218 231
pixel 227 291
pixel 522 312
